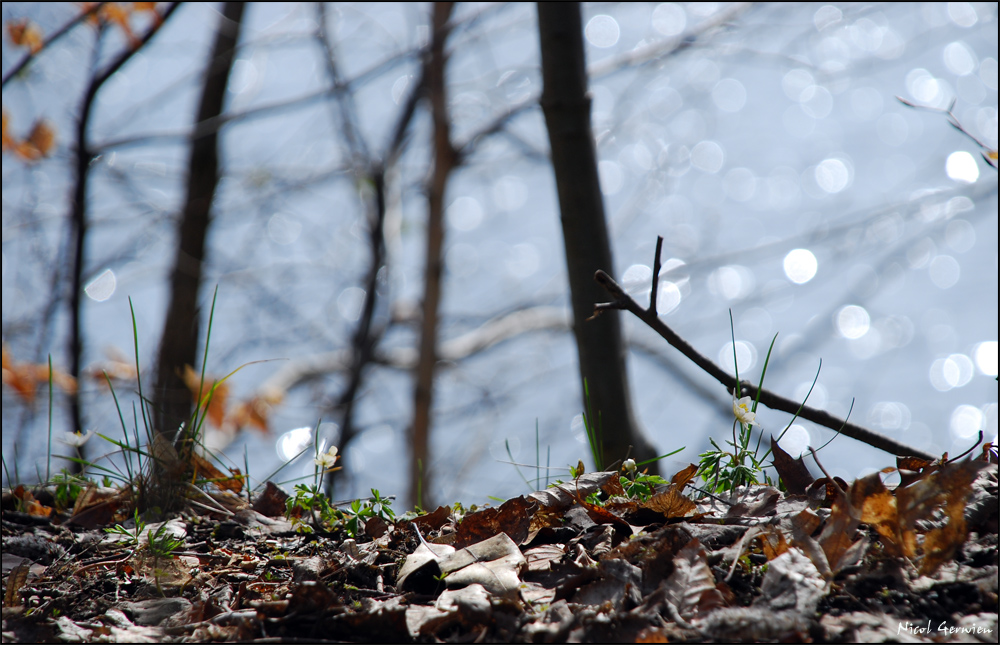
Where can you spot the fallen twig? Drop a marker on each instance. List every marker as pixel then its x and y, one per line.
pixel 774 401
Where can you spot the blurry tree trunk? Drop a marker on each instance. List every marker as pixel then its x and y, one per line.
pixel 445 160
pixel 172 401
pixel 599 342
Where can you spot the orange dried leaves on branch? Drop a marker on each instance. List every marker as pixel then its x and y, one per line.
pixel 40 142
pixel 24 33
pixel 120 14
pixel 24 378
pixel 253 412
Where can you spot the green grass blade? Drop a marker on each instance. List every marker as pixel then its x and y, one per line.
pixel 48 457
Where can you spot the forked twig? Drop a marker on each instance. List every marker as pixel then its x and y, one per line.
pixel 774 401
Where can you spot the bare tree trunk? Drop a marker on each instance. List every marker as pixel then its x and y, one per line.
pixel 599 342
pixel 445 160
pixel 172 401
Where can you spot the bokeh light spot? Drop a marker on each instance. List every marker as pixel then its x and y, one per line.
pixel 102 287
pixel 832 175
pixel 944 271
pixel 602 31
pixel 800 265
pixel 464 214
pixel 986 357
pixel 852 322
pixel 669 19
pixel 746 354
pixel 966 422
pixel 729 95
pixel 961 166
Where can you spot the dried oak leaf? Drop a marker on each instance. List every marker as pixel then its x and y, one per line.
pixel 672 503
pixel 513 517
pixel 955 480
pixel 433 521
pixel 25 33
pixel 204 468
pixel 878 509
pixel 793 472
pixel 837 536
pixel 212 393
pixel 41 141
pixel 271 502
pixel 691 586
pixel 566 493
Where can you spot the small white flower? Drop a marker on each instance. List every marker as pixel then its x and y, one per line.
pixel 76 439
pixel 629 466
pixel 327 459
pixel 742 411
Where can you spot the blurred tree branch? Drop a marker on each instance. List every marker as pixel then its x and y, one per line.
pixel 774 401
pixel 371 177
pixel 172 403
pixel 78 216
pixel 56 35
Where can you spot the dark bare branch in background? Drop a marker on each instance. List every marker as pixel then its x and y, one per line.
pixel 79 222
pixel 56 35
pixel 179 344
pixel 774 401
pixel 370 177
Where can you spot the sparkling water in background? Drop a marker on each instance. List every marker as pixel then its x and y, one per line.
pixel 790 185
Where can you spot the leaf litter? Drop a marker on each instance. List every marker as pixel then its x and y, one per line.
pixel 827 561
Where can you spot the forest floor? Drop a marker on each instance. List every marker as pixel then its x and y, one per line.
pixel 577 562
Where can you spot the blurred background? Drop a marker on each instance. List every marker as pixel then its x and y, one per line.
pixel 765 143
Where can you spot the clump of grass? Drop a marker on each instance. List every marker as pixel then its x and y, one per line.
pixel 726 470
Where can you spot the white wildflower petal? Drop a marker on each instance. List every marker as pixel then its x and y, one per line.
pixel 75 439
pixel 629 466
pixel 742 411
pixel 327 459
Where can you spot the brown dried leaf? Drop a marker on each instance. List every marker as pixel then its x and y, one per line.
pixel 683 477
pixel 254 413
pixel 271 502
pixel 24 378
pixel 565 494
pixel 18 576
pixel 25 33
pixel 513 517
pixel 671 503
pixel 203 467
pixel 217 405
pixel 940 544
pixel 793 472
pixel 691 586
pixel 40 143
pixel 878 509
pixel 613 487
pixel 433 521
pixel 773 543
pixel 838 533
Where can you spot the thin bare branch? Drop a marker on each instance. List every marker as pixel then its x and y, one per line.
pixel 78 217
pixel 774 401
pixel 56 35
